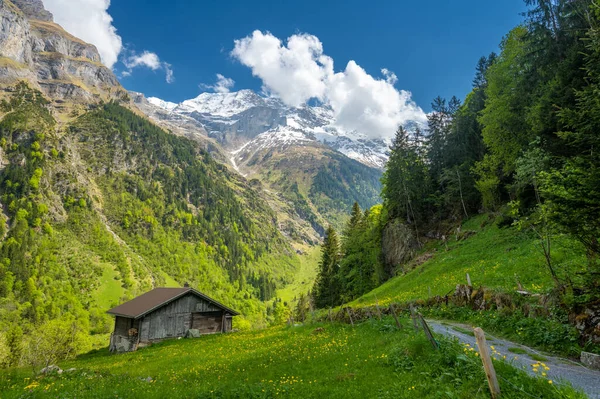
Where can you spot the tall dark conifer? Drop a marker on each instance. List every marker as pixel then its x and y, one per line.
pixel 327 291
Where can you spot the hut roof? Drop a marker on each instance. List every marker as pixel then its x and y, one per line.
pixel 158 297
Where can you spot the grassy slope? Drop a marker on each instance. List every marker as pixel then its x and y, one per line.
pixel 304 277
pixel 371 360
pixel 492 257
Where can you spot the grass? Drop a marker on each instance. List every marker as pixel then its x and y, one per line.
pixel 50 28
pixel 9 62
pixel 518 351
pixel 538 358
pixel 110 289
pixel 463 331
pixel 551 334
pixel 304 278
pixel 494 257
pixel 371 360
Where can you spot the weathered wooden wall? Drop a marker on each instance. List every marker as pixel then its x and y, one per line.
pixel 124 324
pixel 207 323
pixel 175 318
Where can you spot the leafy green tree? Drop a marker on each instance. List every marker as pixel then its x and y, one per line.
pixel 14 344
pixel 572 188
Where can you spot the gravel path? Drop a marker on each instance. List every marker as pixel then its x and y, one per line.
pixel 560 370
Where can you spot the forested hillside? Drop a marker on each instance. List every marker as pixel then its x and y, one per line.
pixel 108 206
pixel 520 147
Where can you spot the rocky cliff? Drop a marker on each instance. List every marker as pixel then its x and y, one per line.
pixel 34 48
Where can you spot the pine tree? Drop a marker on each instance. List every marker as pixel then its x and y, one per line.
pixel 327 290
pixel 355 216
pixel 405 184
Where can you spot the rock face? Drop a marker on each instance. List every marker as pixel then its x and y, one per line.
pixel 590 360
pixel 34 48
pixel 33 9
pixel 587 322
pixel 398 243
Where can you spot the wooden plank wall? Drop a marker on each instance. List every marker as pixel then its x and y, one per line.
pixel 122 326
pixel 207 323
pixel 174 319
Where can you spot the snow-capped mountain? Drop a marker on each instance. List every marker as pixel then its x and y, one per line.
pixel 235 119
pixel 166 105
pixel 309 170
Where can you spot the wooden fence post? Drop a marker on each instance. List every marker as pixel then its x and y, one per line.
pixel 414 318
pixel 469 280
pixel 487 363
pixel 393 312
pixel 350 316
pixel 330 319
pixel 428 332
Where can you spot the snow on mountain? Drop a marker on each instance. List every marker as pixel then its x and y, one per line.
pixel 222 104
pixel 247 119
pixel 166 105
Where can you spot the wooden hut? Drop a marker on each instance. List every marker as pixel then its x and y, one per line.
pixel 167 313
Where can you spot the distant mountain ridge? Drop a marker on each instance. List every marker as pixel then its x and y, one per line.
pixel 229 116
pixel 310 171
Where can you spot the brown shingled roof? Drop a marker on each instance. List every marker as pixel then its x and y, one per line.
pixel 156 298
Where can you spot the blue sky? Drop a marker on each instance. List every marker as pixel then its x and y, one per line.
pixel 431 46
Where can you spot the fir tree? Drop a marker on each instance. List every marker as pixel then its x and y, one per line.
pixel 326 291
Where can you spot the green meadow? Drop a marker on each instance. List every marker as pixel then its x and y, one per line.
pixel 372 360
pixel 495 257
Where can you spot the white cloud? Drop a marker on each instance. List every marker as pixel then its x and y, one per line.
pixel 223 84
pixel 149 60
pixel 89 21
pixel 170 78
pixel 390 76
pixel 299 71
pixel 295 73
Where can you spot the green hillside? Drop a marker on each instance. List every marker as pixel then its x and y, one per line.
pixel 495 257
pixel 107 205
pixel 371 360
pixel 521 148
pixel 315 184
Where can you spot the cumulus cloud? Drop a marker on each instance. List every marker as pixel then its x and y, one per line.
pixel 295 73
pixel 89 20
pixel 223 84
pixel 298 71
pixel 149 60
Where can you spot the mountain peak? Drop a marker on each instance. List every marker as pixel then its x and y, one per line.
pixel 34 9
pixel 166 105
pixel 222 104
